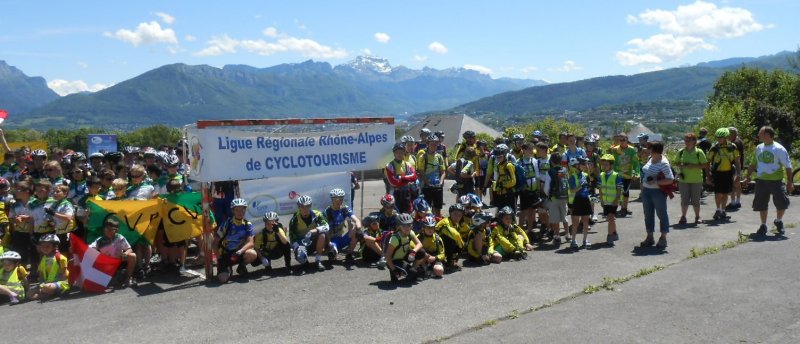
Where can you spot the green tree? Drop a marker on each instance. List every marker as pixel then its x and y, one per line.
pixel 749 98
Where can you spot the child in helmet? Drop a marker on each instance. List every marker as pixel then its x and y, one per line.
pixel 53 273
pixel 404 251
pixel 371 238
pixel 13 277
pixel 308 233
pixel 387 216
pixel 339 216
pixel 453 230
pixel 611 184
pixel 434 247
pixel 509 239
pixel 272 243
pixel 480 247
pixel 234 240
pixel 421 211
pixel 581 204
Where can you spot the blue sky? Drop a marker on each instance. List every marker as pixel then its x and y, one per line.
pixel 89 45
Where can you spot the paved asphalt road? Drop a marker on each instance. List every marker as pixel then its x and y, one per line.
pixel 746 293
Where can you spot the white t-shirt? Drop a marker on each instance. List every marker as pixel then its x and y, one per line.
pixel 113 248
pixel 771 162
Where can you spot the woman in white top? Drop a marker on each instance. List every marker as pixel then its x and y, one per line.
pixel 655 174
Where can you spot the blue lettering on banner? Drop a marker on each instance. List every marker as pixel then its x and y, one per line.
pixel 315 160
pixel 234 145
pixel 276 144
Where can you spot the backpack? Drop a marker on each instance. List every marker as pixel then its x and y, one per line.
pixel 520 171
pixel 718 157
pixel 559 184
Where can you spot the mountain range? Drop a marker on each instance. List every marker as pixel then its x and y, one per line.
pixel 178 94
pixel 683 83
pixel 21 93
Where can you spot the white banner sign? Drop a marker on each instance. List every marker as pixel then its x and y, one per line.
pixel 279 194
pixel 220 153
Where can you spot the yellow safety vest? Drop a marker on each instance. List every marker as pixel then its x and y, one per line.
pixel 608 183
pixel 11 280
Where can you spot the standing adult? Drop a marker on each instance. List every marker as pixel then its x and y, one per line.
pixel 655 174
pixel 692 162
pixel 402 177
pixel 431 167
pixel 767 161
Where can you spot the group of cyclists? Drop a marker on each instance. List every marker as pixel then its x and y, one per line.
pixel 44 198
pixel 541 190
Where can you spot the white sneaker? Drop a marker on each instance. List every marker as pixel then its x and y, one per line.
pixel 594 218
pixel 183 270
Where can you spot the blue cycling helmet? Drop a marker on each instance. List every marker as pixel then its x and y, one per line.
pixel 420 204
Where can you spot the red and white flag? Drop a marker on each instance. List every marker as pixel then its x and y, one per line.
pixel 3 115
pixel 90 270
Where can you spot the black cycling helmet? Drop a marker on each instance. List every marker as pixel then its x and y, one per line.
pixel 468 134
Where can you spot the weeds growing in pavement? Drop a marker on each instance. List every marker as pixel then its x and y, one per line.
pixel 698 252
pixel 743 238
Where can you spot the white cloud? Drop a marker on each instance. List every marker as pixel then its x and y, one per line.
pixel 701 19
pixel 382 37
pixel 661 47
pixel 82 64
pixel 262 47
pixel 190 38
pixel 366 51
pixel 165 18
pixel 627 58
pixel 311 48
pixel 569 66
pixel 420 58
pixel 437 47
pixel 219 45
pixel 685 31
pixel 226 45
pixel 145 33
pixel 64 87
pixel 270 32
pixel 478 68
pixel 529 69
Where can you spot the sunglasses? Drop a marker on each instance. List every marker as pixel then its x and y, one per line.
pixel 110 179
pixel 79 171
pixel 137 175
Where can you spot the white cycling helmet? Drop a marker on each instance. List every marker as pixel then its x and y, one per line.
pixel 239 202
pixel 52 238
pixel 337 193
pixel 10 255
pixel 405 219
pixel 271 216
pixel 304 200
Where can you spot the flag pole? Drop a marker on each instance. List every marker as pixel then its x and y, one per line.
pixel 208 238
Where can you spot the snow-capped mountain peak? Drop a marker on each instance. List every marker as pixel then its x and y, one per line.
pixel 371 63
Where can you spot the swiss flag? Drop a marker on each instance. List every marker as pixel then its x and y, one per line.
pixel 3 115
pixel 90 270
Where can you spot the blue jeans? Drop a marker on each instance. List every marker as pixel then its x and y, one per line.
pixel 654 202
